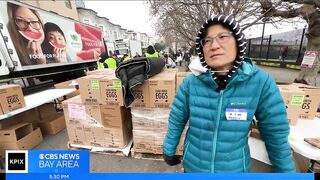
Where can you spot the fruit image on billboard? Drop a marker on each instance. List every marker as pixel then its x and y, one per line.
pixel 40 37
pixel 91 41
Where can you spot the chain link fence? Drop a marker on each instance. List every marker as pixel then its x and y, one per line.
pixel 284 47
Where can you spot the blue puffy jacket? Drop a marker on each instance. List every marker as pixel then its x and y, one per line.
pixel 215 144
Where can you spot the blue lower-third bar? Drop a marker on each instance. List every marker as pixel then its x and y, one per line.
pixel 158 176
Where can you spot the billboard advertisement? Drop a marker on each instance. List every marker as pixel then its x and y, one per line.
pixel 43 39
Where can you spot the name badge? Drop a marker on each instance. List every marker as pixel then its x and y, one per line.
pixel 236 114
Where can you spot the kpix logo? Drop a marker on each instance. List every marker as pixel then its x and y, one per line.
pixel 16 161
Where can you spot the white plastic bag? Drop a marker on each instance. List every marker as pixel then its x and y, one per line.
pixel 179 58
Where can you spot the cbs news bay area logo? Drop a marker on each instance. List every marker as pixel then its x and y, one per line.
pixel 59 160
pixel 23 161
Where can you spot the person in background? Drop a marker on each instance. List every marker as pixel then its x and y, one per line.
pixel 151 52
pixel 284 53
pixel 26 31
pixel 219 101
pixel 105 61
pixel 179 56
pixel 55 45
pixel 169 62
pixel 186 58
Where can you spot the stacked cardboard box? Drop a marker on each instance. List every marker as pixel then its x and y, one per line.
pixel 11 98
pixel 97 117
pixel 150 128
pixel 293 99
pixel 150 112
pixel 301 101
pixel 19 136
pixel 71 84
pixel 310 102
pixel 157 91
pixel 97 125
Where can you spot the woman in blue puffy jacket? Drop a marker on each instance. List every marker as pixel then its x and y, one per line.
pixel 219 101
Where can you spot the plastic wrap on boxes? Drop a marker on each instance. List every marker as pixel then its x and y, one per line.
pixel 85 124
pixel 150 128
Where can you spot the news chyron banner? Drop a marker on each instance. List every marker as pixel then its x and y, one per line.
pixel 75 164
pixel 47 161
pixel 42 38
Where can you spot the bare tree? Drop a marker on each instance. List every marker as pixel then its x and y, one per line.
pixel 180 20
pixel 309 10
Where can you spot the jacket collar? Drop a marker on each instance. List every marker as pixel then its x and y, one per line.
pixel 246 70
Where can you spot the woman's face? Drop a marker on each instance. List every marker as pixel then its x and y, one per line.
pixel 26 20
pixel 219 55
pixel 56 37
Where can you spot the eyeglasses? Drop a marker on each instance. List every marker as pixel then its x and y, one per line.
pixel 23 25
pixel 220 38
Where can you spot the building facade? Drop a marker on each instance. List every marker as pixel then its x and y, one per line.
pixel 111 31
pixel 65 8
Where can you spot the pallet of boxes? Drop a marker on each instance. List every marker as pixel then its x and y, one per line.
pixel 301 102
pixel 97 119
pixel 150 114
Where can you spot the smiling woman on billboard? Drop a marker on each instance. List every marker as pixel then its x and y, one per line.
pixel 26 30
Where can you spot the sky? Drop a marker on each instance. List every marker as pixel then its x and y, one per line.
pixel 131 15
pixel 134 15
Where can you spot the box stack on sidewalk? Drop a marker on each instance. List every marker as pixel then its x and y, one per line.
pixel 97 117
pixel 150 113
pixel 301 101
pixel 17 132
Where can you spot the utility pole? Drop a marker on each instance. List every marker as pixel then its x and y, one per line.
pixel 264 24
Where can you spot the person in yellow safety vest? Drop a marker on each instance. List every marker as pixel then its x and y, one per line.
pixel 151 52
pixel 106 62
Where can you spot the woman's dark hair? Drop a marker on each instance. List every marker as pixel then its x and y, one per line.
pixel 150 50
pixel 49 27
pixel 166 56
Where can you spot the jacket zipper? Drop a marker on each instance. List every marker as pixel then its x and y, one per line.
pixel 214 144
pixel 244 158
pixel 185 151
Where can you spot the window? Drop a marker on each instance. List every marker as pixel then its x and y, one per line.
pixel 115 34
pixel 86 21
pixel 102 29
pixel 68 4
